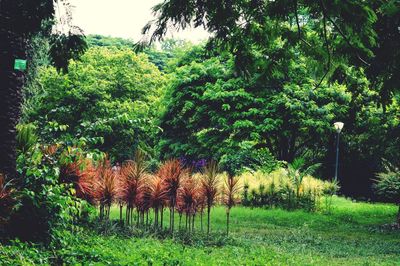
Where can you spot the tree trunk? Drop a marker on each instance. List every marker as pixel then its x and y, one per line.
pixel 12 46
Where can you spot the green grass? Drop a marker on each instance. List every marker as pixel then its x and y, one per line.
pixel 353 234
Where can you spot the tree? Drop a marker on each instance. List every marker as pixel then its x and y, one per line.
pixel 222 114
pixel 363 33
pixel 110 99
pixel 19 22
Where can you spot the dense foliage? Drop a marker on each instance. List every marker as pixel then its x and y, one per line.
pixel 388 186
pixel 121 141
pixel 109 99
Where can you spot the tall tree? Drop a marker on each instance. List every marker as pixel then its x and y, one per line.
pixel 365 33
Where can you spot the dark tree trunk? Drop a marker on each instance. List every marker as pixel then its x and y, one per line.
pixel 12 46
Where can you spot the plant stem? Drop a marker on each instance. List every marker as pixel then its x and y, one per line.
pixel 227 222
pixel 208 220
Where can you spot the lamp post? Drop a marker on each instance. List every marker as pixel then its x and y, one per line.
pixel 338 127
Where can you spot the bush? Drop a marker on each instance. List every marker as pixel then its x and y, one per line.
pixel 43 207
pixel 388 186
pixel 246 157
pixel 277 189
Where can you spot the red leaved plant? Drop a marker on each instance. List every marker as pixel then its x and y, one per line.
pixel 209 187
pixel 230 196
pixel 6 200
pixel 172 173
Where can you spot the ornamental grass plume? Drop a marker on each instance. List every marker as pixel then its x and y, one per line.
pixel 172 173
pixel 209 187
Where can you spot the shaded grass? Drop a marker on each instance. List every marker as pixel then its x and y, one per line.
pixel 353 234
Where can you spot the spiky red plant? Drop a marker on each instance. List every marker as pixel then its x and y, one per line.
pixel 230 196
pixel 158 196
pixel 209 187
pixel 143 202
pixel 187 198
pixel 180 208
pixel 172 173
pixel 70 172
pixel 81 174
pixel 105 187
pixel 132 177
pixel 201 204
pixel 86 185
pixel 6 200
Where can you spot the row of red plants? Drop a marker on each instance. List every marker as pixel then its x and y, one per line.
pixel 133 188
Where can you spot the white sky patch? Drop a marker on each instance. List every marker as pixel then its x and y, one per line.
pixel 122 18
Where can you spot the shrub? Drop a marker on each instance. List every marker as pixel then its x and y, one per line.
pixel 44 205
pixel 279 189
pixel 388 186
pixel 44 208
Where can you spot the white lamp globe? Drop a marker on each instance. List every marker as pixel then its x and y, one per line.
pixel 338 126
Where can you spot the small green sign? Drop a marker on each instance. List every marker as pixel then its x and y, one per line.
pixel 20 64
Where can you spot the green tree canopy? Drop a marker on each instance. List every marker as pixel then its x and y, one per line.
pixel 110 98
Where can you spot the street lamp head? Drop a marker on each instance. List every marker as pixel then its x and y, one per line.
pixel 338 126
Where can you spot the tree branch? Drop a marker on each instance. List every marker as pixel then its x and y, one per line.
pixel 342 33
pixel 298 24
pixel 327 47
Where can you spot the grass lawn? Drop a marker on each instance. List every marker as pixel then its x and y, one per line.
pixel 353 234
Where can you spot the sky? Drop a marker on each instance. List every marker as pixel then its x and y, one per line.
pixel 122 18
